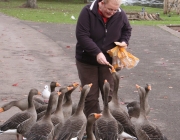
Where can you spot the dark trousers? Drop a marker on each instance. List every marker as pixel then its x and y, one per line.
pixel 95 75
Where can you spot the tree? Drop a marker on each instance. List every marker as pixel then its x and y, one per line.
pixel 165 6
pixel 30 4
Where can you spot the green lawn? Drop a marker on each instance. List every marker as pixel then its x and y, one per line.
pixel 61 12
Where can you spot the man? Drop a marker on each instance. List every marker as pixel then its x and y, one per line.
pixel 99 25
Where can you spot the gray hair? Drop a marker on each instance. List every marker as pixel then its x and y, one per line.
pixel 117 1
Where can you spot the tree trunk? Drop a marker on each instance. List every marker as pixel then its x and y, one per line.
pixel 165 6
pixel 178 7
pixel 31 4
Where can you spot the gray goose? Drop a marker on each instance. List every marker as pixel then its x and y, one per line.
pixel 68 104
pixel 22 104
pixel 134 106
pixel 44 128
pixel 89 127
pixel 76 124
pixel 144 129
pixel 106 127
pixel 23 121
pixel 117 111
pixel 58 116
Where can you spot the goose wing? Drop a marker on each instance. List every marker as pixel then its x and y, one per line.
pixel 151 132
pixel 40 131
pixel 105 129
pixel 15 120
pixel 125 121
pixel 71 129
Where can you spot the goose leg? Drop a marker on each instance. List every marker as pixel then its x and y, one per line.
pixel 17 135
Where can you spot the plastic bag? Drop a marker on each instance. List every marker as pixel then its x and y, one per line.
pixel 122 58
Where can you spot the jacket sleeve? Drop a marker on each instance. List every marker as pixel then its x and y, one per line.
pixel 83 33
pixel 126 30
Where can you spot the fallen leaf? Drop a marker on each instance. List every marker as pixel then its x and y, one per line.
pixel 67 46
pixel 165 97
pixel 170 87
pixel 16 84
pixel 122 103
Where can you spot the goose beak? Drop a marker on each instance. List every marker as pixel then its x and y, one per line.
pixel 1 110
pixel 90 85
pixel 97 115
pixel 75 84
pixel 80 88
pixel 112 69
pixel 57 84
pixel 149 87
pixel 59 93
pixel 137 86
pixel 39 93
pixel 69 88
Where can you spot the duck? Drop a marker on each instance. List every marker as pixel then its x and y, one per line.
pixel 143 127
pixel 21 122
pixel 89 127
pixel 117 111
pixel 107 127
pixel 44 128
pixel 133 107
pixel 68 106
pixel 75 126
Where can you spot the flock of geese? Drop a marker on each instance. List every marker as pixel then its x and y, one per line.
pixel 58 118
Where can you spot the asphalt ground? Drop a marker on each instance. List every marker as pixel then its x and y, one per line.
pixel 34 54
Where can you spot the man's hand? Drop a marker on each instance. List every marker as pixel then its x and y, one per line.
pixel 102 59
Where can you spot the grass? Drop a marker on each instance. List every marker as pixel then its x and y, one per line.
pixel 61 12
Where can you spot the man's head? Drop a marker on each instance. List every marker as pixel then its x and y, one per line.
pixel 109 7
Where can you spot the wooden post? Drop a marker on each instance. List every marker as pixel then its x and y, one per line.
pixel 165 6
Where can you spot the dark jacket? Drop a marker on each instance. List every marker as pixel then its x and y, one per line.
pixel 94 36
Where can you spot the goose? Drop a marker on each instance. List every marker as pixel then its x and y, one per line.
pixel 134 106
pixel 58 116
pixel 117 111
pixel 22 121
pixel 145 130
pixel 22 104
pixel 89 127
pixel 44 128
pixel 75 126
pixel 68 106
pixel 106 127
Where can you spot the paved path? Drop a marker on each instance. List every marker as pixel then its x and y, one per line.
pixel 34 54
